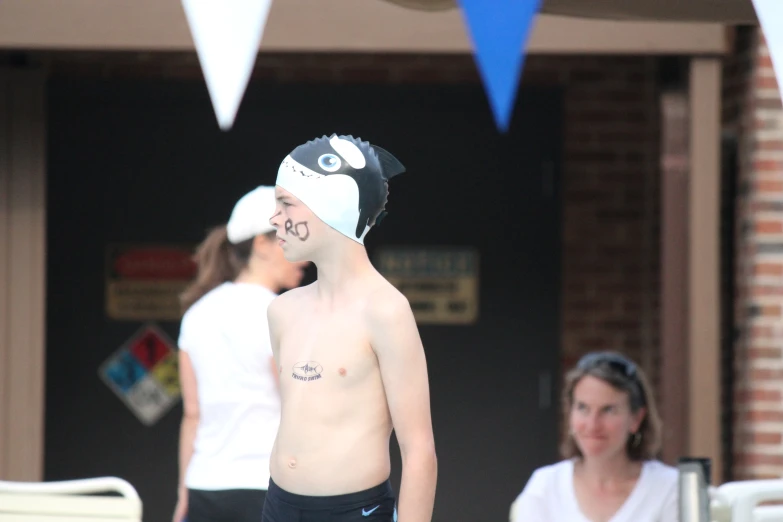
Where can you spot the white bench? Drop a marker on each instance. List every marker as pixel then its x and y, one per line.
pixel 739 501
pixel 768 514
pixel 69 501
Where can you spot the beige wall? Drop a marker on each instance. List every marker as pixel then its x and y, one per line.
pixel 22 274
pixel 329 26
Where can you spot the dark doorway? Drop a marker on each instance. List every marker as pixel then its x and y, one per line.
pixel 144 162
pixel 728 269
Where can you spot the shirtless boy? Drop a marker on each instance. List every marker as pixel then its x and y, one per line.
pixel 351 363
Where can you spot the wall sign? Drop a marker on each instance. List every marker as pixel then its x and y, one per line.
pixel 143 283
pixel 143 373
pixel 441 284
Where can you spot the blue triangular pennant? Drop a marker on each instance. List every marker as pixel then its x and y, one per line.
pixel 499 30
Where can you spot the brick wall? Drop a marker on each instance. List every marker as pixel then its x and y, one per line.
pixel 758 120
pixel 611 207
pixel 610 235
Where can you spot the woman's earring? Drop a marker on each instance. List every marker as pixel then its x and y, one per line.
pixel 637 439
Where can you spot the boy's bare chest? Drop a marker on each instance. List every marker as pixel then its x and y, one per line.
pixel 316 348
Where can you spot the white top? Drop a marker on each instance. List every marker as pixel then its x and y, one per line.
pixel 226 336
pixel 549 496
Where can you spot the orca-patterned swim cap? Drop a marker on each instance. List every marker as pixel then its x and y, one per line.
pixel 342 179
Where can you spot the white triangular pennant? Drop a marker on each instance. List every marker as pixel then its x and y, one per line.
pixel 227 34
pixel 770 15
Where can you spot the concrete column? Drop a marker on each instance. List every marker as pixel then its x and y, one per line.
pixel 704 390
pixel 22 273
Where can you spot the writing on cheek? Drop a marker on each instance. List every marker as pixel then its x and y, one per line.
pixel 299 230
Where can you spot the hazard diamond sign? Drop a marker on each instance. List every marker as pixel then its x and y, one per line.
pixel 143 374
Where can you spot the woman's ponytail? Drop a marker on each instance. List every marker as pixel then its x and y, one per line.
pixel 218 261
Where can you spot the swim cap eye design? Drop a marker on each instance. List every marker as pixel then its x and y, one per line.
pixel 329 162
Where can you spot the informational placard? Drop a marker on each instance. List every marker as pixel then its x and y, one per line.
pixel 144 282
pixel 144 374
pixel 441 284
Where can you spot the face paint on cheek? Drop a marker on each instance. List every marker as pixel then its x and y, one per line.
pixel 299 230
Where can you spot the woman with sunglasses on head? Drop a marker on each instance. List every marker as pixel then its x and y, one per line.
pixel 610 472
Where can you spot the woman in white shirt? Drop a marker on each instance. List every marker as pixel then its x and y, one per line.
pixel 610 472
pixel 227 372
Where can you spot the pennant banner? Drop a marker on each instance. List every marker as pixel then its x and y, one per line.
pixel 227 34
pixel 770 15
pixel 499 30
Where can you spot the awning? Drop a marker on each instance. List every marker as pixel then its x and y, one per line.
pixel 723 11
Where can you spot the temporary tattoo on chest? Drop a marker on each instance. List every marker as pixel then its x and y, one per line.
pixel 299 230
pixel 307 371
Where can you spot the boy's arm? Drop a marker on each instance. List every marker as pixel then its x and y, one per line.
pixel 395 339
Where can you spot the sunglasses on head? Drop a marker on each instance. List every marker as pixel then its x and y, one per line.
pixel 616 362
